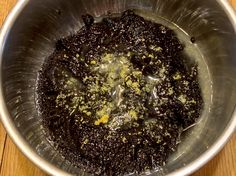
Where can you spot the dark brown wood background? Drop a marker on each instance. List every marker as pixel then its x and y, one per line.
pixel 13 163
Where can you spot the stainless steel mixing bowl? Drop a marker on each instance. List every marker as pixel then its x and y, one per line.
pixel 32 28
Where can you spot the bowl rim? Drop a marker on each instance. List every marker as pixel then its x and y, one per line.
pixel 52 169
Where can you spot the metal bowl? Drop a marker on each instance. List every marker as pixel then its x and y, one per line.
pixel 28 37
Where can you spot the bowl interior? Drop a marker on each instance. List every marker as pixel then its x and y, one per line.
pixel 41 23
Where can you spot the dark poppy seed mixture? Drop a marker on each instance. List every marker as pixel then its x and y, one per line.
pixel 116 96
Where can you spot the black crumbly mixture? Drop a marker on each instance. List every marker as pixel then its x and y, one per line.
pixel 116 96
pixel 193 39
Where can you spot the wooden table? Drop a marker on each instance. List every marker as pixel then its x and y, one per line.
pixel 13 163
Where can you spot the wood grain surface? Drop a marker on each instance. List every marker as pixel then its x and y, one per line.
pixel 13 163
